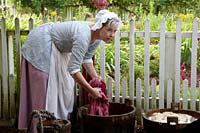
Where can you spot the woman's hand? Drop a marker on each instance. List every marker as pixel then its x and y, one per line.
pixel 100 83
pixel 96 93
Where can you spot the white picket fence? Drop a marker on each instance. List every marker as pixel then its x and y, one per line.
pixel 169 69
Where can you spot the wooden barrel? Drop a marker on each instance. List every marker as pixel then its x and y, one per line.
pixel 121 119
pixel 48 123
pixel 172 125
pixel 55 126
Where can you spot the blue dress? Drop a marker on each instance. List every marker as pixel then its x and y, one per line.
pixel 71 37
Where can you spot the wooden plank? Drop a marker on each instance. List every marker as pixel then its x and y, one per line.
pixel 177 61
pixel 194 64
pixel 169 93
pixel 124 89
pixel 4 70
pixel 117 66
pixel 131 64
pixel 162 64
pixel 185 94
pixel 153 102
pixel 146 64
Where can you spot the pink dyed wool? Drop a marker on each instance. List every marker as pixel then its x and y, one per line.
pixel 99 106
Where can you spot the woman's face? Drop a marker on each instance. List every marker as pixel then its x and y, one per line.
pixel 107 33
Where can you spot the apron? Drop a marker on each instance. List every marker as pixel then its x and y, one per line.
pixel 60 91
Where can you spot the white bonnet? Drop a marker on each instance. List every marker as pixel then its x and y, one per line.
pixel 102 17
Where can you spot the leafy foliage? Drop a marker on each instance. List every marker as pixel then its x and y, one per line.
pixel 132 7
pixel 40 6
pixel 176 6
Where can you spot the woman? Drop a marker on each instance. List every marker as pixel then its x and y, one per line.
pixel 52 56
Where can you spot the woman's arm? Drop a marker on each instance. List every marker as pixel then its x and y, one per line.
pixel 95 92
pixel 90 69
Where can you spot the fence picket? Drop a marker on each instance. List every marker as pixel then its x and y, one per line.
pixel 18 56
pixel 102 60
pixel 177 61
pixel 10 55
pixel 31 22
pixel 153 102
pixel 138 99
pixel 185 94
pixel 109 89
pixel 131 64
pixel 162 64
pixel 117 66
pixel 169 93
pixel 193 64
pixel 124 89
pixel 146 64
pixel 12 100
pixel 4 69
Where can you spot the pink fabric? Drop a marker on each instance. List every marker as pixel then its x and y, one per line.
pixel 99 106
pixel 97 82
pixel 32 93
